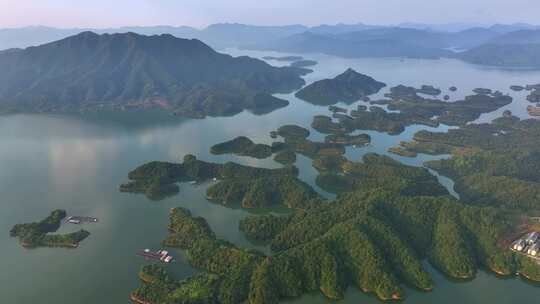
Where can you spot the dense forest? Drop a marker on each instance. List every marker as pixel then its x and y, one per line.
pixel 374 240
pixel 494 164
pixel 388 218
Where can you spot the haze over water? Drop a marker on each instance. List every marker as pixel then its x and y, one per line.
pixel 77 163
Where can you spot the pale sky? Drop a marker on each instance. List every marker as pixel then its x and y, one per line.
pixel 199 13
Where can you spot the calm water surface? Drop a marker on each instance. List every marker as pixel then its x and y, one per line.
pixel 77 163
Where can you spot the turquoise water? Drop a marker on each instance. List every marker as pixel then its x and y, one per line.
pixel 77 163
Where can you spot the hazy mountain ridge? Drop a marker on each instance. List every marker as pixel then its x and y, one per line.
pixel 514 49
pixel 184 76
pixel 343 40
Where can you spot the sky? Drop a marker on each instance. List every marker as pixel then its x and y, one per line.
pixel 200 13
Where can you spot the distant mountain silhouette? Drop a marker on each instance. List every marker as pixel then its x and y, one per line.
pixel 353 45
pixel 413 40
pixel 187 77
pixel 514 49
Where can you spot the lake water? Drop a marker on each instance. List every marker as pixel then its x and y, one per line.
pixel 76 163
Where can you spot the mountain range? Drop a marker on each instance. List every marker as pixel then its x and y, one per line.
pixel 88 71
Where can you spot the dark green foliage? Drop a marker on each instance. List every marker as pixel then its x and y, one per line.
pixel 160 288
pixel 263 228
pixel 451 251
pixel 296 140
pixel 185 229
pixel 242 146
pixel 528 268
pixel 158 179
pixel 286 157
pixel 413 109
pixel 495 164
pixel 90 72
pixel 325 125
pixel 263 192
pixel 375 240
pixel 36 234
pixel 378 171
pixel 349 140
pixel 292 131
pixel 228 268
pixel 262 288
pixel 330 163
pixel 347 87
pixel 457 237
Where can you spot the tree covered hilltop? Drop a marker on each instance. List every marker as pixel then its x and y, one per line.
pixel 91 72
pixel 348 87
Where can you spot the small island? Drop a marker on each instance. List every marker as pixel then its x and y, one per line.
pixel 347 87
pixel 242 146
pixel 37 234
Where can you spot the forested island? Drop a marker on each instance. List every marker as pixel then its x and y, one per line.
pixel 348 87
pixel 242 146
pixel 250 187
pixel 37 234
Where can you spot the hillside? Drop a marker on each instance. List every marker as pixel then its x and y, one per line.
pixel 89 71
pixel 504 55
pixel 348 87
pixel 351 45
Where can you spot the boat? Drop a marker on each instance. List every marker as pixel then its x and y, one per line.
pixel 81 220
pixel 160 255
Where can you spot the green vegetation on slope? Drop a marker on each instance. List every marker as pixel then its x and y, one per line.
pixel 495 164
pixel 374 240
pixel 91 72
pixel 348 87
pixel 242 146
pixel 249 186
